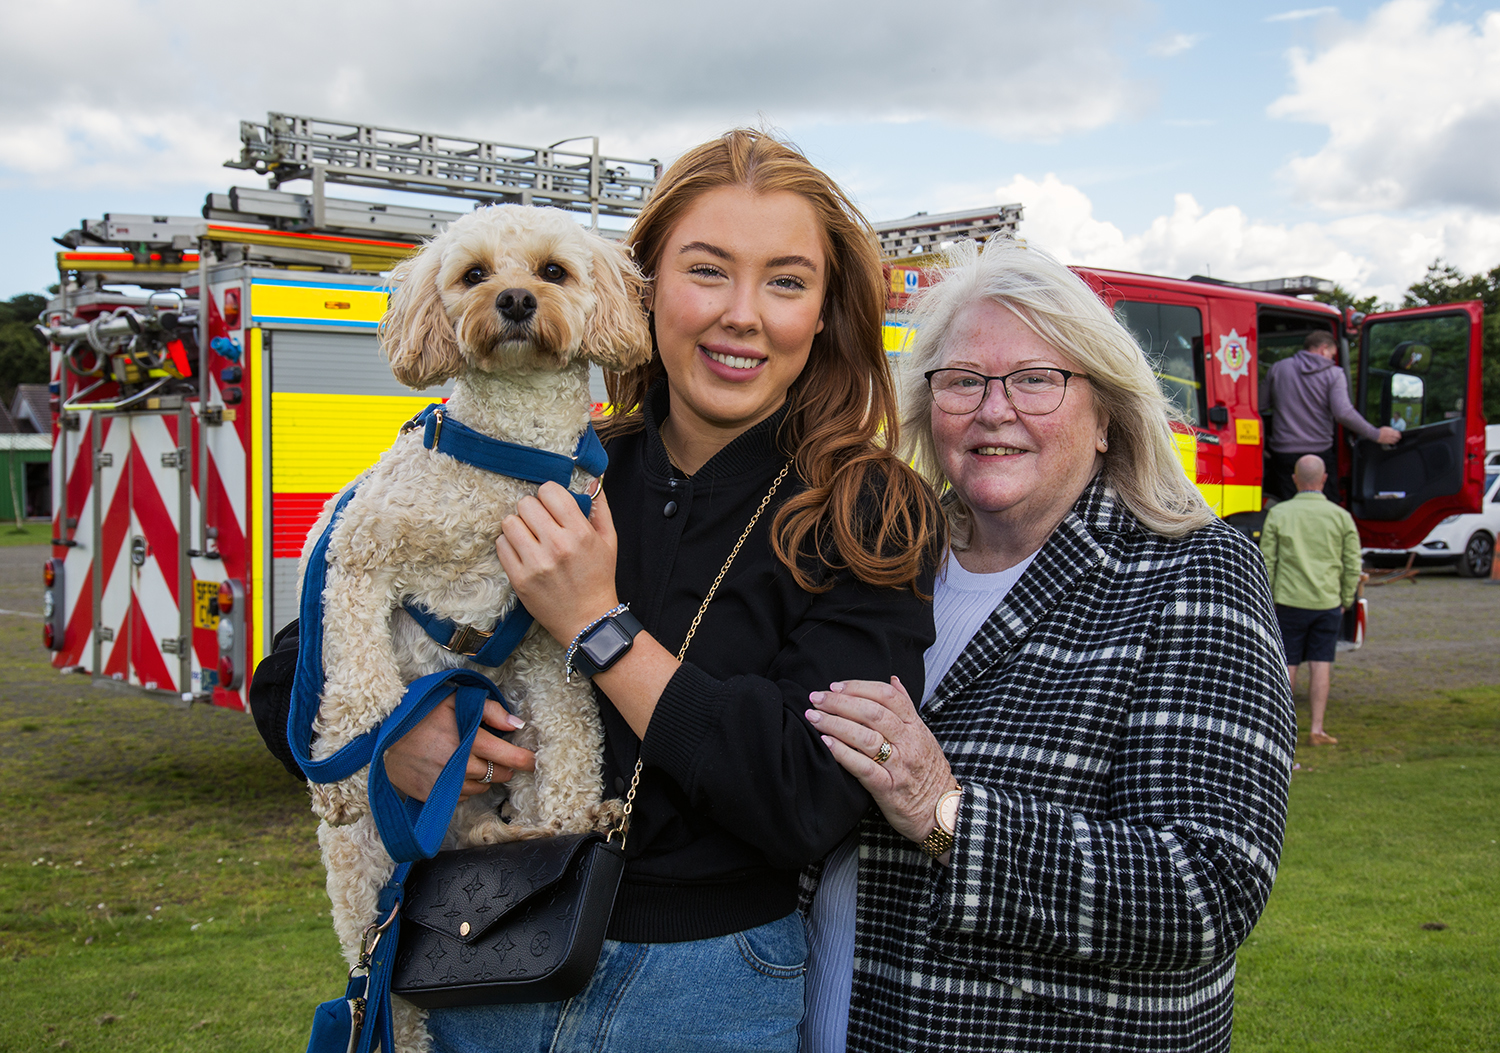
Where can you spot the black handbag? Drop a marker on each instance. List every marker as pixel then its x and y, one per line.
pixel 522 921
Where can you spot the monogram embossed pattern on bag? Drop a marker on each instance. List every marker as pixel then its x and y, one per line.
pixel 501 923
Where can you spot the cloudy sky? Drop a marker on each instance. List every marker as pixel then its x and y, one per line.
pixel 1356 141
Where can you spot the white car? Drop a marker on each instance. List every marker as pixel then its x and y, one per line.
pixel 1467 541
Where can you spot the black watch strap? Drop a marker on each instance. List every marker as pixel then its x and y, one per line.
pixel 606 643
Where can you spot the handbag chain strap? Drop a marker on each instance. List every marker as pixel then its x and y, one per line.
pixel 635 780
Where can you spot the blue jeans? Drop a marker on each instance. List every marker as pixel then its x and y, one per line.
pixel 741 992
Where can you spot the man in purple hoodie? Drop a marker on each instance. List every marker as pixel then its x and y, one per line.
pixel 1306 394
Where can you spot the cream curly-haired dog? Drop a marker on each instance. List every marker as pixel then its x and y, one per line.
pixel 513 302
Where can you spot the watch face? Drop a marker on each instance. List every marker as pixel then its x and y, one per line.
pixel 604 643
pixel 948 813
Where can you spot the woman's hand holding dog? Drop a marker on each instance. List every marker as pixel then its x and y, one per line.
pixel 561 564
pixel 416 759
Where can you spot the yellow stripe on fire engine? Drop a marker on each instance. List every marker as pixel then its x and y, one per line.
pixel 257 527
pixel 1239 498
pixel 895 337
pixel 1225 499
pixel 1187 452
pixel 336 306
pixel 321 442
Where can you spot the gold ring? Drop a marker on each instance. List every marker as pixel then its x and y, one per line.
pixel 883 754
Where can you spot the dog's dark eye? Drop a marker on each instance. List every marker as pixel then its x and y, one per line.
pixel 474 275
pixel 552 272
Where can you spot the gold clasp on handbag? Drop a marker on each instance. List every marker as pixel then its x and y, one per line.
pixel 624 828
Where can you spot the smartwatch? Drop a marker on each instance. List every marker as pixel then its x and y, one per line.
pixel 602 645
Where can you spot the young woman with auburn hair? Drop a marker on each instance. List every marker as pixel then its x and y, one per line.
pixel 763 427
pixel 841 418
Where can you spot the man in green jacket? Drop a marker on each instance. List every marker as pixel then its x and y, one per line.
pixel 1312 556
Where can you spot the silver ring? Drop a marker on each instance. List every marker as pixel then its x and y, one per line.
pixel 883 754
pixel 489 772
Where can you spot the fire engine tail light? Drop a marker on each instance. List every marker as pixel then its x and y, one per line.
pixel 232 308
pixel 231 635
pixel 54 626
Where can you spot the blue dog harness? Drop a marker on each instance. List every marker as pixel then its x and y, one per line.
pixel 518 462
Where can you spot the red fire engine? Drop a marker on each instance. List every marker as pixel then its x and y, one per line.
pixel 199 426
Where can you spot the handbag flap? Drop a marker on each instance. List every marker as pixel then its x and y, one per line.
pixel 462 893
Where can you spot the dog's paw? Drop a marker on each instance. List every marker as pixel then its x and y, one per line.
pixel 604 816
pixel 492 830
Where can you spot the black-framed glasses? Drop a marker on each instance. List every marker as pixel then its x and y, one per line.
pixel 1033 391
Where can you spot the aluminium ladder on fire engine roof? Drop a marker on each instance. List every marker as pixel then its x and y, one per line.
pixel 924 234
pixel 291 146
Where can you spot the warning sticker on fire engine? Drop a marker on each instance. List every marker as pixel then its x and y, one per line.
pixel 205 594
pixel 1247 432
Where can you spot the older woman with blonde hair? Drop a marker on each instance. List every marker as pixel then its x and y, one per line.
pixel 1080 819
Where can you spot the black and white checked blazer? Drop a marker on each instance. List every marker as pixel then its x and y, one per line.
pixel 1123 731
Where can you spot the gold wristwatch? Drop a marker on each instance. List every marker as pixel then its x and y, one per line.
pixel 946 814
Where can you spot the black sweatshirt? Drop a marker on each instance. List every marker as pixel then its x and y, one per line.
pixel 738 792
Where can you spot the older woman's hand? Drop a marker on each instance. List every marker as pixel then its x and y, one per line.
pixel 855 718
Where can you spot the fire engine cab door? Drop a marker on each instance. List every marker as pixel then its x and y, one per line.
pixel 1419 372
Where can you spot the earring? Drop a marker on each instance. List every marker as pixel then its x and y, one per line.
pixel 1103 444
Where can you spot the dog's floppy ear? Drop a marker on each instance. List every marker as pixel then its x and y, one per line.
pixel 415 334
pixel 617 337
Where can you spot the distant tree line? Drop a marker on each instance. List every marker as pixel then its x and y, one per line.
pixel 1445 283
pixel 23 352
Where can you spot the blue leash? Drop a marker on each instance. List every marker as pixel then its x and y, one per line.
pixel 410 829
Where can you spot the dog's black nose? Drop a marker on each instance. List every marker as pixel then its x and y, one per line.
pixel 516 304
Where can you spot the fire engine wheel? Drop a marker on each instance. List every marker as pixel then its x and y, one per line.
pixel 1478 555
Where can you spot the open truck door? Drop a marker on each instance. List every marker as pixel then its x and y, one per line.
pixel 1419 372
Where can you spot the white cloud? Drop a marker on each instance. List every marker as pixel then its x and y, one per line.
pixel 1298 15
pixel 1175 44
pixel 76 143
pixel 1412 108
pixel 650 77
pixel 1369 253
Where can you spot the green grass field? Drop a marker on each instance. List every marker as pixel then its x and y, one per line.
pixel 160 887
pixel 27 533
pixel 159 882
pixel 1383 931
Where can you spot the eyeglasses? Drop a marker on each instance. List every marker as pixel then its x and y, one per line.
pixel 1034 392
